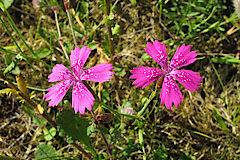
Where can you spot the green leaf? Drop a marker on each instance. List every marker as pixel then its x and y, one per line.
pixel 186 156
pixel 115 30
pixel 145 57
pixel 140 135
pixel 53 3
pixel 161 153
pixel 219 119
pixel 13 65
pixel 226 59
pixel 8 59
pixel 74 127
pixel 49 133
pixel 4 4
pixel 10 67
pixel 43 53
pixel 133 2
pixel 46 151
pixel 120 71
pixel 92 45
pixel 105 96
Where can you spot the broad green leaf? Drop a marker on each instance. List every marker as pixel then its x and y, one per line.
pixel 4 4
pixel 49 133
pixel 75 127
pixel 46 151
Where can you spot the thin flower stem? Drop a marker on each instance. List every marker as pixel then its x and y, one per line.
pixel 110 36
pixel 44 114
pixel 66 4
pixel 104 138
pixel 59 33
pixel 153 94
pixel 141 141
pixel 219 78
pixel 94 116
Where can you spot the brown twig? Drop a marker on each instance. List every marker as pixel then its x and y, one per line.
pixel 44 114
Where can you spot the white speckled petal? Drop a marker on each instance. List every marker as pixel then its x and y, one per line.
pixel 183 57
pixel 59 72
pixel 57 92
pixel 78 58
pixel 81 98
pixel 170 93
pixel 98 73
pixel 158 52
pixel 189 79
pixel 145 75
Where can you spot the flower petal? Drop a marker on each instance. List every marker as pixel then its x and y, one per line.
pixel 189 79
pixel 78 58
pixel 57 92
pixel 145 75
pixel 170 93
pixel 158 52
pixel 59 72
pixel 183 57
pixel 98 73
pixel 81 98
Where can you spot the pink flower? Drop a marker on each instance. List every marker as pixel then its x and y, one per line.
pixel 170 71
pixel 81 96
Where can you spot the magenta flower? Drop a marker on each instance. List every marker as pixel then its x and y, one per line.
pixel 170 71
pixel 81 96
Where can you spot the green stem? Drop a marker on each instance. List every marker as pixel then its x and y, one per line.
pixel 94 116
pixel 110 36
pixel 153 94
pixel 66 4
pixel 59 33
pixel 140 135
pixel 13 25
pixel 219 79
